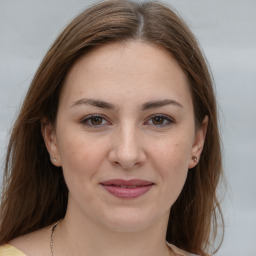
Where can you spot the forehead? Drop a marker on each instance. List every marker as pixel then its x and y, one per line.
pixel 134 68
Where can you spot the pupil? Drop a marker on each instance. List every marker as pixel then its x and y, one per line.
pixel 157 120
pixel 96 120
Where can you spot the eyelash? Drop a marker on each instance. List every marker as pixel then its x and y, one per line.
pixel 90 118
pixel 166 119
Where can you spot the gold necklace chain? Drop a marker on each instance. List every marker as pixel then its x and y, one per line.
pixel 52 234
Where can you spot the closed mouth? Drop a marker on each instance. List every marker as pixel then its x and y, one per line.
pixel 124 186
pixel 127 188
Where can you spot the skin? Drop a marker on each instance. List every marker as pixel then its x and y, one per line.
pixel 130 140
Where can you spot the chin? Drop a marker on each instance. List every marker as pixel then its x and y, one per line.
pixel 130 221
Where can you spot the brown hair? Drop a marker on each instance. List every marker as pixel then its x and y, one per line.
pixel 34 190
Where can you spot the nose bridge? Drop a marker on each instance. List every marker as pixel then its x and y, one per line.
pixel 127 150
pixel 128 142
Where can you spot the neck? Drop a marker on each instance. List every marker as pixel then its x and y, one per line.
pixel 81 236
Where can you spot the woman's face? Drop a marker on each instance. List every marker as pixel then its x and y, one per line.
pixel 125 135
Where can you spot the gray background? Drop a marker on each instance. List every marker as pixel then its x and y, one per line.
pixel 226 30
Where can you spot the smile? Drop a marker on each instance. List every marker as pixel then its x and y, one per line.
pixel 127 188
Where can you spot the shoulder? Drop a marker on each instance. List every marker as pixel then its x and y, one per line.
pixel 180 252
pixel 35 243
pixel 9 250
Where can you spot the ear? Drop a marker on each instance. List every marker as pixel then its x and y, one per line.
pixel 198 143
pixel 49 135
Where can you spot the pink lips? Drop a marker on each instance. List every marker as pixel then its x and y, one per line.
pixel 127 188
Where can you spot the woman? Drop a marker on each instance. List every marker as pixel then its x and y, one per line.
pixel 116 148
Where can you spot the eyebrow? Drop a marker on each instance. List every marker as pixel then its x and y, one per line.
pixel 107 105
pixel 94 102
pixel 160 103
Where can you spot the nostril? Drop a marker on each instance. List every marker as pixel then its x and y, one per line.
pixel 126 156
pixel 115 163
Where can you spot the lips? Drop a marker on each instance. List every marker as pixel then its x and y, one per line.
pixel 127 188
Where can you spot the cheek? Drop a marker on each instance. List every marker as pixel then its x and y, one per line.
pixel 80 158
pixel 171 159
pixel 172 154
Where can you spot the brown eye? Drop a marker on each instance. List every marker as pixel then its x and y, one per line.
pixel 158 120
pixel 96 120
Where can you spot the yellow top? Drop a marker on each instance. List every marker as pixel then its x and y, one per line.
pixel 9 250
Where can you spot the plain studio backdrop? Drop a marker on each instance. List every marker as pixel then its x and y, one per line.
pixel 226 30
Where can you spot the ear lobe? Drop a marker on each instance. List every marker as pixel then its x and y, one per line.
pixel 198 143
pixel 49 135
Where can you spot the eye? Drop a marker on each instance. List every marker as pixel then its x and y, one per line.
pixel 95 121
pixel 160 121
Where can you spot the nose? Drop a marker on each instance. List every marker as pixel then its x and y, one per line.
pixel 127 148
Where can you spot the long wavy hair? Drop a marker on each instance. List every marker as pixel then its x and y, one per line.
pixel 34 191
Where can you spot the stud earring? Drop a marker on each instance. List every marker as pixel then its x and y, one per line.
pixel 195 159
pixel 53 159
